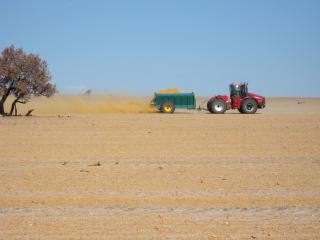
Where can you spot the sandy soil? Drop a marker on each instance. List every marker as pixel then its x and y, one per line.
pixel 188 175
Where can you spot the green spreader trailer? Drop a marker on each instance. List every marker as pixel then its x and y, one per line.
pixel 169 102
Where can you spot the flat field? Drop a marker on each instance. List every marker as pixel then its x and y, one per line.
pixel 122 171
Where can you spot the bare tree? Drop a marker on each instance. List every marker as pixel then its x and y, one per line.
pixel 23 76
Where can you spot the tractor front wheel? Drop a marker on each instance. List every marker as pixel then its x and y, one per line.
pixel 167 107
pixel 218 106
pixel 209 107
pixel 249 106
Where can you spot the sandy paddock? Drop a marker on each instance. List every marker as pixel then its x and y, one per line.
pixel 183 176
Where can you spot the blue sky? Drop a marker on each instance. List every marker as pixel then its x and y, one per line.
pixel 139 46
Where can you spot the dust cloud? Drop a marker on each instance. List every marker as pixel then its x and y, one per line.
pixel 81 104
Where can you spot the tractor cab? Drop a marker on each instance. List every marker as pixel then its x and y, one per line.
pixel 237 93
pixel 238 90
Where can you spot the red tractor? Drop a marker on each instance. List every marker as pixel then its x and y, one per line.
pixel 239 99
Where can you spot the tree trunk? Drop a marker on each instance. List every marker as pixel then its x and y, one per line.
pixel 1 109
pixel 14 107
pixel 3 100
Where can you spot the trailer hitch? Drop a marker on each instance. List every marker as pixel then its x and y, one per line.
pixel 202 107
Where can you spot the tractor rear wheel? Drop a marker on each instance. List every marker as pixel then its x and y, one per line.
pixel 218 106
pixel 249 106
pixel 167 107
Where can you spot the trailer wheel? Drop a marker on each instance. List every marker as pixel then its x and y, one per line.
pixel 167 107
pixel 249 106
pixel 218 106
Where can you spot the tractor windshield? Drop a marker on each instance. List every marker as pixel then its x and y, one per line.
pixel 238 90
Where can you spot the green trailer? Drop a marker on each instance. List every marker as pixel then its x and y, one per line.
pixel 168 102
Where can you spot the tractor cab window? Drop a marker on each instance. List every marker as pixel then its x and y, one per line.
pixel 238 90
